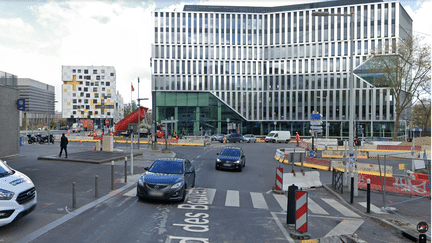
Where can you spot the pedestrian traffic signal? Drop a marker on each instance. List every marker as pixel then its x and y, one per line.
pixel 409 140
pixel 357 142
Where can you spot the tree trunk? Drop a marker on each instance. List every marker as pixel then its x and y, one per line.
pixel 396 126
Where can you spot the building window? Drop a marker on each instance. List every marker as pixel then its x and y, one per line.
pixel 107 84
pixel 103 71
pixel 73 70
pixel 98 77
pixel 94 71
pixel 85 71
pixel 95 89
pixel 74 101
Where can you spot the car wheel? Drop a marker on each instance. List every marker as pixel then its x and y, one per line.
pixel 255 141
pixel 183 198
pixel 193 182
pixel 30 142
pixel 244 163
pixel 216 167
pixel 240 168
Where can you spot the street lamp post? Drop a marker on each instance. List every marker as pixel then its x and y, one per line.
pixel 351 86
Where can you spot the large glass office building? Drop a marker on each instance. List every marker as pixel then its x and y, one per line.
pixel 219 69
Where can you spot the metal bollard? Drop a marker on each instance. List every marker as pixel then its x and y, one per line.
pixel 73 195
pixel 368 197
pixel 112 175
pixel 96 186
pixel 352 189
pixel 125 171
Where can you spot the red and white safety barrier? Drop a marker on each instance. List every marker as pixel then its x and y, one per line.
pixel 301 211
pixel 279 179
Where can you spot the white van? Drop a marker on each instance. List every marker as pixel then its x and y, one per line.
pixel 278 136
pixel 17 194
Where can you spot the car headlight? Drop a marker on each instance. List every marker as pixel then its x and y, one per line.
pixel 218 160
pixel 177 185
pixel 141 181
pixel 237 162
pixel 6 195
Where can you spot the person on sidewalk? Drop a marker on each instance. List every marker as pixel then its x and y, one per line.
pixel 297 138
pixel 63 144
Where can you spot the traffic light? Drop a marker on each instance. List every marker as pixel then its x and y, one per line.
pixel 357 142
pixel 409 140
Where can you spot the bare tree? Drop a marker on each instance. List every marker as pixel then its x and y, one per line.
pixel 421 115
pixel 404 67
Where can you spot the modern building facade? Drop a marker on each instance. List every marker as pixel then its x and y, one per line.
pixel 257 69
pixel 89 92
pixel 40 101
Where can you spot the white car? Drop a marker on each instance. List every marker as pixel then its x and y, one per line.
pixel 18 195
pixel 250 138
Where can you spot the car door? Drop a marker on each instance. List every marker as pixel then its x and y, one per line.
pixel 188 173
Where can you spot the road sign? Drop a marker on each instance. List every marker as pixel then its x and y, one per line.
pixel 315 122
pixel 317 131
pixel 107 122
pixel 311 154
pixel 315 116
pixel 315 127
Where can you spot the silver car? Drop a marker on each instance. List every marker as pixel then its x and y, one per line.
pixel 250 138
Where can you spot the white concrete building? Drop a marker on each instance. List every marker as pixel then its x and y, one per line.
pixel 89 92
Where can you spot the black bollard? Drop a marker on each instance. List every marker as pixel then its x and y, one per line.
pixel 112 175
pixel 96 186
pixel 291 208
pixel 73 195
pixel 352 189
pixel 368 196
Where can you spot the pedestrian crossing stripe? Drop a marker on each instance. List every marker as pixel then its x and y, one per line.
pixel 373 208
pixel 260 201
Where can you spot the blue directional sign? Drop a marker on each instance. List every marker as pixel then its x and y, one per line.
pixel 311 154
pixel 315 116
pixel 21 104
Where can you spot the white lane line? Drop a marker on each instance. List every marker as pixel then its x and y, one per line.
pixel 282 200
pixel 258 200
pixel 131 193
pixel 232 199
pixel 373 208
pixel 210 195
pixel 282 228
pixel 315 208
pixel 339 207
pixel 346 227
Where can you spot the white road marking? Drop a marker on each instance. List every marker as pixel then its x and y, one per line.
pixel 341 208
pixel 131 193
pixel 373 208
pixel 258 200
pixel 282 228
pixel 232 199
pixel 282 200
pixel 346 227
pixel 315 208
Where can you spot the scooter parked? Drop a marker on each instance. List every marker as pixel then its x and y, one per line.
pixel 31 139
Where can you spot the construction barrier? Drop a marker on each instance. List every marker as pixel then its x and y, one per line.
pixel 301 222
pixel 396 184
pixel 309 179
pixel 398 147
pixel 279 179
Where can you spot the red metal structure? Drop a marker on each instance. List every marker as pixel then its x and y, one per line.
pixel 122 125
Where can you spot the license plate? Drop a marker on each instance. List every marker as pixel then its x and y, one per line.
pixel 227 164
pixel 155 194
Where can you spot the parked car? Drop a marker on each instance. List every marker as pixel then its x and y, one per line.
pixel 221 138
pixel 250 138
pixel 234 137
pixel 18 195
pixel 218 137
pixel 231 158
pixel 166 179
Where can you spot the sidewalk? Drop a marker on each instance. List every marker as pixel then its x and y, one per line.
pixel 408 210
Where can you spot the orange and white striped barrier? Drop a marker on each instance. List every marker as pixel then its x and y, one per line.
pixel 301 222
pixel 279 179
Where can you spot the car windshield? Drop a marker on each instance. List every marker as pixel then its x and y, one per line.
pixel 4 169
pixel 230 152
pixel 271 134
pixel 167 167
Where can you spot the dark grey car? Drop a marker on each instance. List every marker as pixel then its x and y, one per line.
pixel 235 137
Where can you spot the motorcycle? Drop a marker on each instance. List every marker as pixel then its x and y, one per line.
pixel 51 138
pixel 42 139
pixel 31 139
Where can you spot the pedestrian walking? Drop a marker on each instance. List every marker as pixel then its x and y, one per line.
pixel 297 138
pixel 63 144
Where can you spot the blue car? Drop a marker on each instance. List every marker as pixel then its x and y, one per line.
pixel 166 179
pixel 231 158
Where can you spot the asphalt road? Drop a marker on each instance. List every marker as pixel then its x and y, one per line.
pixel 225 206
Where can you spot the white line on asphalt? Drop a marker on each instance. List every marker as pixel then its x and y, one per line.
pixel 131 193
pixel 282 200
pixel 232 199
pixel 315 208
pixel 281 227
pixel 346 227
pixel 373 208
pixel 258 200
pixel 339 207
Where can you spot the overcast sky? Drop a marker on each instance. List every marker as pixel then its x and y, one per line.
pixel 38 37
